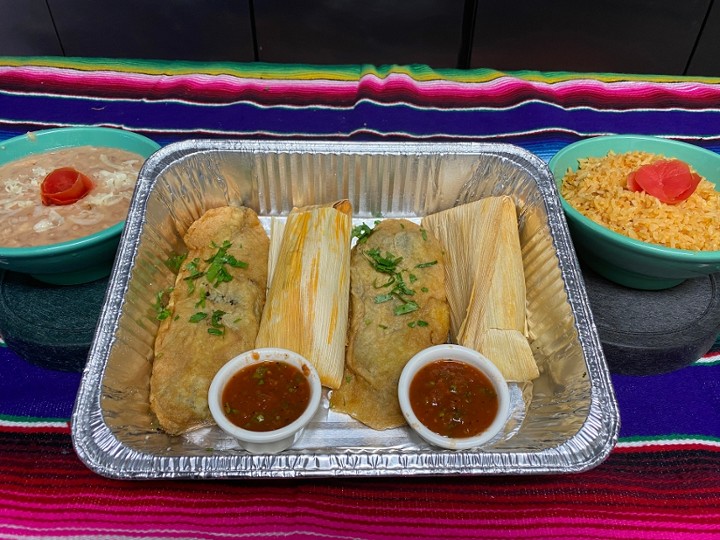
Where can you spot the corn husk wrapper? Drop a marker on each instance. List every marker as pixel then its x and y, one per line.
pixel 486 282
pixel 307 303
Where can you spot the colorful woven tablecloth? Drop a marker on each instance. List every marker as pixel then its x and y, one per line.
pixel 661 481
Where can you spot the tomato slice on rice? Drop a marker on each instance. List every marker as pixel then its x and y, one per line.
pixel 670 180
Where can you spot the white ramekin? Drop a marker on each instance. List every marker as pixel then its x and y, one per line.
pixel 264 442
pixel 460 354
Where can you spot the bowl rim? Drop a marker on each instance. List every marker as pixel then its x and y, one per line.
pixel 645 248
pixel 256 356
pixel 58 248
pixel 467 356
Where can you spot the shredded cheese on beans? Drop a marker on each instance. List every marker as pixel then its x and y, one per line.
pixel 25 221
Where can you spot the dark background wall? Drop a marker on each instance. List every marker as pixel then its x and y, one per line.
pixel 626 36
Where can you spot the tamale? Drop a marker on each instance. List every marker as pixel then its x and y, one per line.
pixel 307 302
pixel 398 307
pixel 486 282
pixel 212 315
pixel 276 233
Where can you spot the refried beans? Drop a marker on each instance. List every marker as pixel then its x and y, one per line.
pixel 25 221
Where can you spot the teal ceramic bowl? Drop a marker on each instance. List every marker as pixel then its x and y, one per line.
pixel 84 259
pixel 624 260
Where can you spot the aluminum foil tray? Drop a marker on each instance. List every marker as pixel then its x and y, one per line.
pixel 565 421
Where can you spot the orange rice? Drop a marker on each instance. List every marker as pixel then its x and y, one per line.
pixel 598 191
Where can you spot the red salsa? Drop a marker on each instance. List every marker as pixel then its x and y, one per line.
pixel 266 396
pixel 453 398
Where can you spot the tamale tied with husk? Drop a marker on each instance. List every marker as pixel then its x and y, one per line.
pixel 307 303
pixel 486 282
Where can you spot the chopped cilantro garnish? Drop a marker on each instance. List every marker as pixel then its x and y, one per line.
pixel 389 264
pixel 361 232
pixel 407 307
pixel 197 317
pixel 419 323
pixel 193 268
pixel 216 317
pixel 175 260
pixel 216 326
pixel 400 287
pixel 216 272
pixel 160 304
pixel 194 273
pixel 385 265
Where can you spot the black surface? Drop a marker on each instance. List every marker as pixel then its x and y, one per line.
pixel 606 35
pixel 653 332
pixel 49 325
pixel 26 28
pixel 663 37
pixel 705 59
pixel 211 30
pixel 368 32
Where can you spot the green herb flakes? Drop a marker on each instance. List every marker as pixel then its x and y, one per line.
pixel 418 323
pixel 160 304
pixel 361 232
pixel 389 264
pixel 197 317
pixel 216 272
pixel 174 261
pixel 407 307
pixel 217 328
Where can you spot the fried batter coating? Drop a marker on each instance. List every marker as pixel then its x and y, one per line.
pixel 382 336
pixel 214 313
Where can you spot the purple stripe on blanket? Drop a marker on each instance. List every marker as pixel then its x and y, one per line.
pixel 363 117
pixel 685 402
pixel 22 384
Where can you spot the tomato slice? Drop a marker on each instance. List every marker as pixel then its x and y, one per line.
pixel 670 180
pixel 64 186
